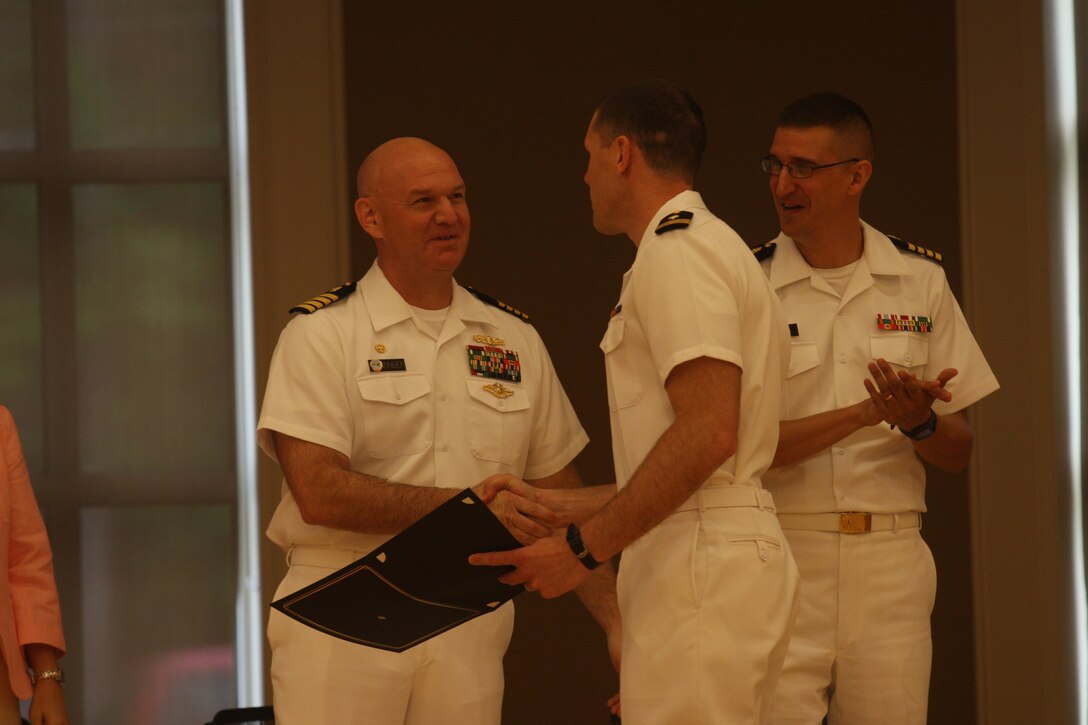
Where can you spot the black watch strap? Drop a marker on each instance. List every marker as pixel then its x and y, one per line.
pixel 925 430
pixel 581 553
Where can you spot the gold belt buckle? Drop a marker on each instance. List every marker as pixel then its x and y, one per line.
pixel 855 522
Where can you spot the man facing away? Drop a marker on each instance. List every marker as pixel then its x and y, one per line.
pixel 693 353
pixel 381 406
pixel 850 486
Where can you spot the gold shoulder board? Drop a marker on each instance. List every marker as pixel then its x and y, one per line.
pixel 325 299
pixel 764 252
pixel 909 247
pixel 489 300
pixel 674 220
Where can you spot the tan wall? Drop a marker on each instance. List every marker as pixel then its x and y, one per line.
pixel 1021 494
pixel 508 90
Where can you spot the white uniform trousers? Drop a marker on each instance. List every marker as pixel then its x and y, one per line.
pixel 708 602
pixel 862 638
pixel 456 677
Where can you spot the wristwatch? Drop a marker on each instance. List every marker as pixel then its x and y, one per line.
pixel 581 553
pixel 925 430
pixel 57 674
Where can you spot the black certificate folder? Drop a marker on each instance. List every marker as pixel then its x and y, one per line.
pixel 415 586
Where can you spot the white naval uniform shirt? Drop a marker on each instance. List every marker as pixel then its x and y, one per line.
pixel 690 293
pixel 432 423
pixel 875 469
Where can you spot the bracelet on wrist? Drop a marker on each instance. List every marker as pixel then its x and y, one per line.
pixel 57 674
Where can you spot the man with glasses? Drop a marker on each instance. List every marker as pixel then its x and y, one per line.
pixel 849 482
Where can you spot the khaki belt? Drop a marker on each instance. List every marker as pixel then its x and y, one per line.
pixel 720 497
pixel 851 522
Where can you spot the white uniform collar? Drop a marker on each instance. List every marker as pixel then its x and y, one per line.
pixel 386 307
pixel 878 253
pixel 882 256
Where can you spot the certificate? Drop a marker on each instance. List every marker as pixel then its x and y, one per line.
pixel 414 586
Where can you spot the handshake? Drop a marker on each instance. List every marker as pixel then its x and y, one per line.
pixel 531 512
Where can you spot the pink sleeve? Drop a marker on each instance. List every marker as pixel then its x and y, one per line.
pixel 30 560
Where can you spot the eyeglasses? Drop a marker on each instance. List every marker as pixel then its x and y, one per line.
pixel 797 169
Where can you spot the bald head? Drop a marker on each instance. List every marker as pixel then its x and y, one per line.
pixel 388 163
pixel 412 204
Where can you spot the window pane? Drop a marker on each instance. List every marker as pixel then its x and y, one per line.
pixel 20 316
pixel 153 327
pixel 158 613
pixel 16 76
pixel 146 73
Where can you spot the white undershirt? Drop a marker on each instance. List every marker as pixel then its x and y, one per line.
pixel 430 321
pixel 839 277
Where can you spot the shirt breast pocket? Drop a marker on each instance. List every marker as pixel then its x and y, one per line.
pixel 902 350
pixel 396 414
pixel 804 355
pixel 624 385
pixel 498 420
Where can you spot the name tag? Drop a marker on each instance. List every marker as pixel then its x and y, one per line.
pixel 388 366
